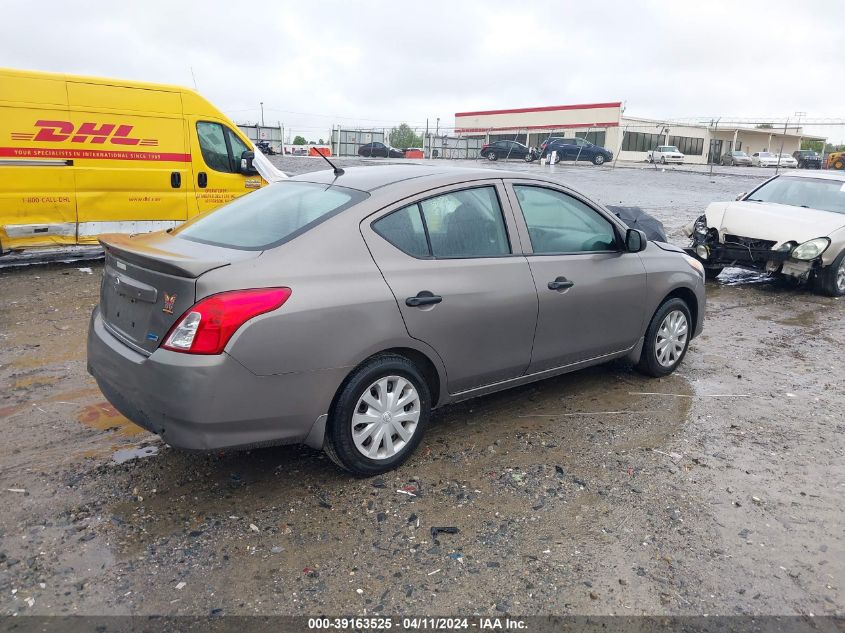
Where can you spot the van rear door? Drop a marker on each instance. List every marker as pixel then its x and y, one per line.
pixel 133 165
pixel 37 194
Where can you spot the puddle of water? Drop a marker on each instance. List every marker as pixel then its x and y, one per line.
pixel 104 417
pixel 127 454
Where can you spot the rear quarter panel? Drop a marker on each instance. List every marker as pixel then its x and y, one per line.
pixel 340 310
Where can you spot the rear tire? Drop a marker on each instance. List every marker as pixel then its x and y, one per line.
pixel 831 279
pixel 662 160
pixel 667 339
pixel 491 156
pixel 528 158
pixel 378 375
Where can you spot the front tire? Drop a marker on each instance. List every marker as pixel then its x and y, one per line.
pixel 379 416
pixel 666 339
pixel 528 158
pixel 598 159
pixel 831 279
pixel 662 160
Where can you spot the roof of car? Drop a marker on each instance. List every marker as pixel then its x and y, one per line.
pixel 376 177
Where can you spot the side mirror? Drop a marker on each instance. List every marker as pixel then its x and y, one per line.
pixel 247 168
pixel 741 196
pixel 635 241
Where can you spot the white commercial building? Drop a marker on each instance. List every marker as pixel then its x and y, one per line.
pixel 628 137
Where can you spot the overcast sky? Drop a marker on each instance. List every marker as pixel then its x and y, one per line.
pixel 319 63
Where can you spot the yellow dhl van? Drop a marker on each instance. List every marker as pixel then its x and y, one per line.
pixel 81 156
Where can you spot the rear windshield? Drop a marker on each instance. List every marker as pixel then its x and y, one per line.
pixel 813 193
pixel 270 216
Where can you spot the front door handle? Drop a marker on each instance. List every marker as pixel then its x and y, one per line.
pixel 423 298
pixel 175 179
pixel 561 283
pixel 202 180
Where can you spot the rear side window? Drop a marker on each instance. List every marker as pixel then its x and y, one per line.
pixel 459 224
pixel 270 216
pixel 404 229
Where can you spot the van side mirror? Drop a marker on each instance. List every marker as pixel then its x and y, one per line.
pixel 635 241
pixel 247 168
pixel 741 196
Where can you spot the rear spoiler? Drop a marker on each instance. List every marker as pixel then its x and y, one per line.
pixel 150 251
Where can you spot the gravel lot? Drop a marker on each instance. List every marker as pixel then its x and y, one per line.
pixel 716 490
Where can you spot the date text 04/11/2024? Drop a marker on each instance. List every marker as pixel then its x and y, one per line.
pixel 417 624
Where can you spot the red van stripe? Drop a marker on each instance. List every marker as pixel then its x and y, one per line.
pixel 95 154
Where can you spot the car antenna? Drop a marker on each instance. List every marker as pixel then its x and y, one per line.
pixel 337 170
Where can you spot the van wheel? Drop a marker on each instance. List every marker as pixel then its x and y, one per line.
pixel 379 416
pixel 666 339
pixel 831 279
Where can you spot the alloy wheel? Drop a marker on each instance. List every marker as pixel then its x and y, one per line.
pixel 840 277
pixel 385 417
pixel 671 339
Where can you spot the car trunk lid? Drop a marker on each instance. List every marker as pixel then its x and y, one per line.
pixel 149 281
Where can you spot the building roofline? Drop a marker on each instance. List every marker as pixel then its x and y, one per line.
pixel 582 106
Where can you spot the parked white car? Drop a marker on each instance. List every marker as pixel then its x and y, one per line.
pixel 665 154
pixel 764 159
pixel 788 161
pixel 793 224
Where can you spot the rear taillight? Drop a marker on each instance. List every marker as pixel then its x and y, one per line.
pixel 207 327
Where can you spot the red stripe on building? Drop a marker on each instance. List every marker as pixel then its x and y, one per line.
pixel 95 154
pixel 583 106
pixel 568 126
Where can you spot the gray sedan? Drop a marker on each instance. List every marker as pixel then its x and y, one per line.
pixel 337 309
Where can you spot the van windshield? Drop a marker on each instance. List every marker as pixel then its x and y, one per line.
pixel 270 216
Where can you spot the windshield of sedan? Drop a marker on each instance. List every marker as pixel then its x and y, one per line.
pixel 270 216
pixel 812 193
pixel 740 154
pixel 668 148
pixel 766 155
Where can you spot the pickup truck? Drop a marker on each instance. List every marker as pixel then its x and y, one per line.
pixel 665 154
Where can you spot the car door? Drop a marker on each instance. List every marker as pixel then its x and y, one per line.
pixel 591 292
pixel 460 285
pixel 217 173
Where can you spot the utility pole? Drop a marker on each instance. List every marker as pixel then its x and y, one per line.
pixel 262 114
pixel 437 130
pixel 782 141
pixel 426 140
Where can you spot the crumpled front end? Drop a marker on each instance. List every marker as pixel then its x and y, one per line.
pixel 717 250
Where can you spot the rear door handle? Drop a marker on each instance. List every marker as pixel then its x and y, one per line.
pixel 561 283
pixel 423 298
pixel 175 179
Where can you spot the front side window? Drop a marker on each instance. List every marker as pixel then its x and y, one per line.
pixel 559 223
pixel 221 148
pixel 467 223
pixel 270 216
pixel 215 153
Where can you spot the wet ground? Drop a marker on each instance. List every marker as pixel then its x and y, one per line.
pixel 717 490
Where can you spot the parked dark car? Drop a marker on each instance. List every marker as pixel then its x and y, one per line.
pixel 265 148
pixel 735 157
pixel 575 149
pixel 380 150
pixel 508 149
pixel 808 159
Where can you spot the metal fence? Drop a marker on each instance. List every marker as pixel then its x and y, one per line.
pixel 347 142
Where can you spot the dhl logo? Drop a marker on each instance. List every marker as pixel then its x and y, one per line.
pixel 59 131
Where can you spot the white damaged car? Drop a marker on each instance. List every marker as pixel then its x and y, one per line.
pixel 792 224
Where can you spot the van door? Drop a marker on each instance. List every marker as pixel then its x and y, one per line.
pixel 37 193
pixel 217 150
pixel 130 159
